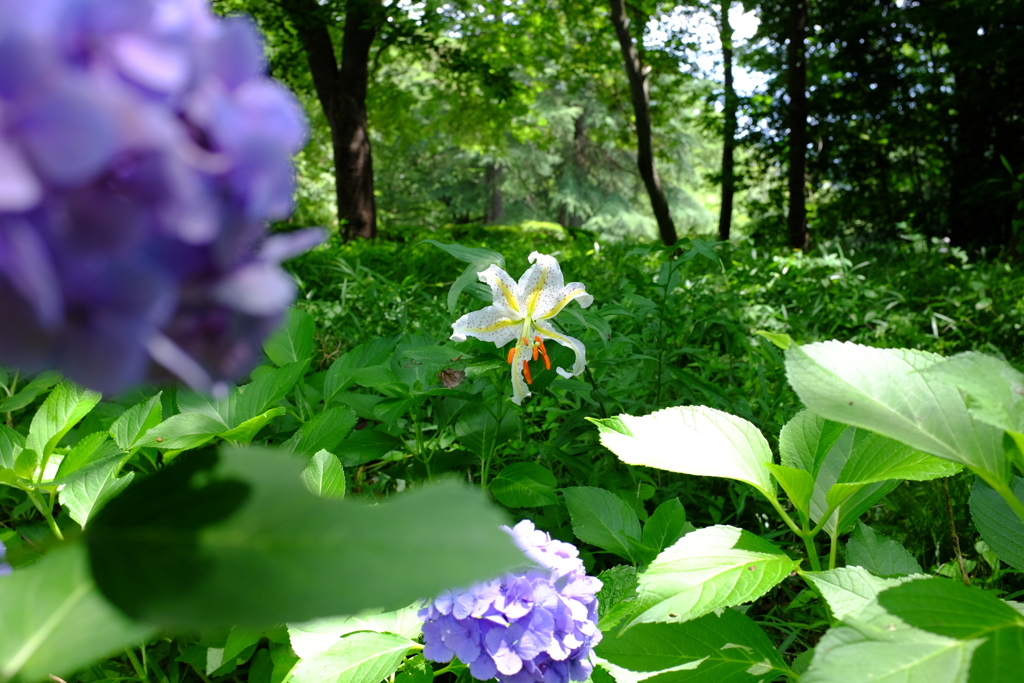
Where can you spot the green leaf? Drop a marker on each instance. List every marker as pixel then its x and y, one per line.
pixel 478 258
pixel 666 526
pixel 239 647
pixel 707 569
pixel 11 445
pixel 716 648
pixel 87 490
pixel 997 523
pixel 887 391
pixel 258 396
pixel 798 485
pixel 89 449
pixel 523 485
pixel 39 385
pixel 806 440
pixel 479 430
pixel 136 421
pixel 782 341
pixel 603 519
pixel 62 409
pixel 363 657
pixel 366 445
pixel 879 647
pixel 874 458
pixel 341 374
pixel 993 387
pixel 190 545
pixel 54 621
pixel 310 638
pixel 246 431
pixel 183 432
pixel 618 589
pixel 325 476
pixel 848 590
pixel 293 341
pixel 949 608
pixel 323 431
pixel 879 554
pixel 692 440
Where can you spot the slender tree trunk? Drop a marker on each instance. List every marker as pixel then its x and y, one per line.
pixel 637 76
pixel 495 200
pixel 796 66
pixel 729 115
pixel 575 171
pixel 341 90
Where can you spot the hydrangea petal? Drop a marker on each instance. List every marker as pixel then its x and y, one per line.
pixel 20 190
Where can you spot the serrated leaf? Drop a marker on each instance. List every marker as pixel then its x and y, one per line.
pixel 183 432
pixel 89 449
pixel 323 431
pixel 601 518
pixel 34 642
pixel 949 608
pixel 707 569
pixel 692 440
pixel 879 647
pixel 995 389
pixel 848 590
pixel 325 476
pixel 11 445
pixel 879 554
pixel 364 657
pixel 30 392
pixel 313 637
pixel 887 391
pixel 136 421
pixel 798 485
pixel 997 523
pixel 88 489
pixel 524 484
pixel 247 431
pixel 63 408
pixel 366 445
pixel 666 526
pixel 293 341
pixel 190 545
pixel 716 648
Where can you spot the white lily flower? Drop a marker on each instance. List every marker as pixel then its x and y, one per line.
pixel 522 312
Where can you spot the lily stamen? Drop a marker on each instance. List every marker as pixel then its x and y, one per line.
pixel 526 371
pixel 511 353
pixel 544 352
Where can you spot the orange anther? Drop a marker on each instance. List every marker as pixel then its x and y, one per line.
pixel 511 352
pixel 544 352
pixel 540 343
pixel 526 372
pixel 536 352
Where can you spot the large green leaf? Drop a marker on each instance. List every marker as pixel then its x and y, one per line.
pixel 879 647
pixel 524 484
pixel 63 408
pixel 949 608
pixel 601 518
pixel 997 523
pixel 323 431
pixel 363 657
pixel 879 554
pixel 193 544
pixel 86 490
pixel 994 388
pixel 708 569
pixel 848 590
pixel 325 476
pixel 692 440
pixel 136 421
pixel 716 648
pixel 293 341
pixel 887 391
pixel 54 621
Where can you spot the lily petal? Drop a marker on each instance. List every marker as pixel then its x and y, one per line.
pixel 520 389
pixel 573 290
pixel 541 285
pixel 565 340
pixel 491 323
pixel 503 288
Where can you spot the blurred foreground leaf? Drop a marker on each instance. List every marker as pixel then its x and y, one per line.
pixel 237 538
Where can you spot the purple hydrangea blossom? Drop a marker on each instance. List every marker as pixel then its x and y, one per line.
pixel 142 150
pixel 4 567
pixel 534 626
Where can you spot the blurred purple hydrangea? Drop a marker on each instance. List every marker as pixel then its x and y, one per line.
pixel 538 625
pixel 4 567
pixel 142 150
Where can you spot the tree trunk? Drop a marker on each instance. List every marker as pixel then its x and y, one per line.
pixel 729 116
pixel 637 76
pixel 575 169
pixel 796 66
pixel 495 209
pixel 342 94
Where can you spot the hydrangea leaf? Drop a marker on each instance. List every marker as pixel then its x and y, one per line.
pixel 133 423
pixel 364 657
pixel 366 445
pixel 601 518
pixel 879 554
pixel 716 648
pixel 997 523
pixel 293 341
pixel 994 388
pixel 882 647
pixel 325 476
pixel 86 490
pixel 190 545
pixel 886 391
pixel 949 608
pixel 666 526
pixel 707 569
pixel 692 440
pixel 62 409
pixel 34 643
pixel 311 638
pixel 525 484
pixel 39 385
pixel 848 590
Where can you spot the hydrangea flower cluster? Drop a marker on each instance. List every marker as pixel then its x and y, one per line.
pixel 142 150
pixel 4 567
pixel 536 626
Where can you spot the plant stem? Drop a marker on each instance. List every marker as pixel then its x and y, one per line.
pixel 834 537
pixel 807 535
pixel 139 669
pixel 46 512
pixel 812 552
pixel 952 531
